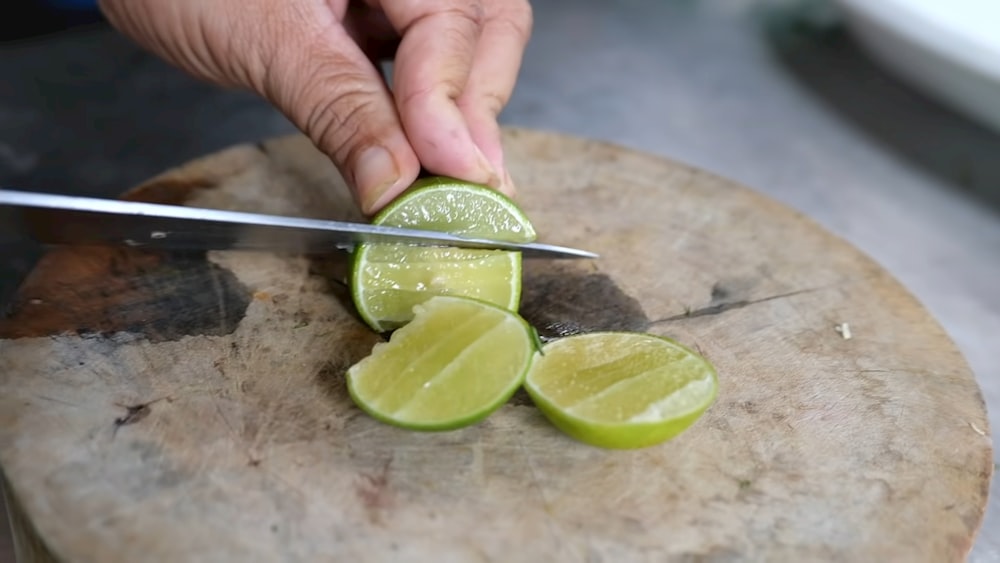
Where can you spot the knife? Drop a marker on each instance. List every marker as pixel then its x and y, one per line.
pixel 62 219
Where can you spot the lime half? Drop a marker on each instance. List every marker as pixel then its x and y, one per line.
pixel 458 361
pixel 621 390
pixel 387 280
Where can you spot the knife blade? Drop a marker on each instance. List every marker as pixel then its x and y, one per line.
pixel 56 219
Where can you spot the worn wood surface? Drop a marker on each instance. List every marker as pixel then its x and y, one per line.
pixel 191 407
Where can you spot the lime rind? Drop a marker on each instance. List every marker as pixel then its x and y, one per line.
pixel 441 191
pixel 455 423
pixel 619 436
pixel 638 431
pixel 622 436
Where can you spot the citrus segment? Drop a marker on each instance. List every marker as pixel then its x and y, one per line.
pixel 387 280
pixel 621 390
pixel 456 362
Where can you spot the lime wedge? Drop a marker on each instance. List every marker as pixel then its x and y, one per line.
pixel 621 390
pixel 387 280
pixel 455 363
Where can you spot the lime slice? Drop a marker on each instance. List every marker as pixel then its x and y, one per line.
pixel 387 280
pixel 621 390
pixel 453 365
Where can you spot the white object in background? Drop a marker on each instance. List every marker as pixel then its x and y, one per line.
pixel 948 48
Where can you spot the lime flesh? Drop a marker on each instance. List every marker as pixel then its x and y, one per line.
pixel 387 280
pixel 455 363
pixel 621 390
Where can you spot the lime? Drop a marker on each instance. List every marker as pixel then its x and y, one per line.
pixel 621 390
pixel 456 362
pixel 387 280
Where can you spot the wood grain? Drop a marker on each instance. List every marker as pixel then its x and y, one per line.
pixel 192 407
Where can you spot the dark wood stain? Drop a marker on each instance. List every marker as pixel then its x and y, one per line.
pixel 98 290
pixel 101 290
pixel 521 398
pixel 562 299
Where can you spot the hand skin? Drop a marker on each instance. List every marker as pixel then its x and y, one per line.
pixel 455 66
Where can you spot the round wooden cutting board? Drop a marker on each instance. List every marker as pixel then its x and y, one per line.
pixel 192 406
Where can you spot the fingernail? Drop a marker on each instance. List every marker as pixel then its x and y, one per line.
pixel 374 174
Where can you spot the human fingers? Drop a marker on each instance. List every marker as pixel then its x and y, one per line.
pixel 330 89
pixel 431 69
pixel 496 64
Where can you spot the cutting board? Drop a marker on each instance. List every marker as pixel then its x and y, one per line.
pixel 192 406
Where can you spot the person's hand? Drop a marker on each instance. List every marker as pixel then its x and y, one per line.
pixel 455 65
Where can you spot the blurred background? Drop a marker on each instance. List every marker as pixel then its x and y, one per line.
pixel 37 18
pixel 879 119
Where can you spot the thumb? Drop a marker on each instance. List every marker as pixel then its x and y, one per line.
pixel 331 91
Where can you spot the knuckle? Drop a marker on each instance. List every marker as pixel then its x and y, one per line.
pixel 471 12
pixel 515 16
pixel 460 35
pixel 414 100
pixel 521 18
pixel 458 13
pixel 493 102
pixel 513 28
pixel 336 119
pixel 456 25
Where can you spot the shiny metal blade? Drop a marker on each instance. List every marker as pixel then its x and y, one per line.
pixel 61 219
